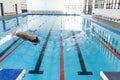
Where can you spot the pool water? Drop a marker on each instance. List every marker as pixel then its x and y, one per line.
pixel 71 47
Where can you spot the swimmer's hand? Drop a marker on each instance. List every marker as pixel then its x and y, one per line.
pixel 13 33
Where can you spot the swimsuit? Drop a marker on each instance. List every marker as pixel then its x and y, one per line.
pixel 34 40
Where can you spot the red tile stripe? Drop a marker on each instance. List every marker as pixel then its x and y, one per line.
pixel 1 59
pixel 111 50
pixel 61 59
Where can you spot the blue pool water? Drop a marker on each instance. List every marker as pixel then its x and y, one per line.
pixel 81 41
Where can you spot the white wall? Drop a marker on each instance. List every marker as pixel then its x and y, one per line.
pixel 9 6
pixel 45 5
pixel 114 13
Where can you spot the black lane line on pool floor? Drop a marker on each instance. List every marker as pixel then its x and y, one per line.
pixel 6 49
pixel 39 61
pixel 1 59
pixel 81 61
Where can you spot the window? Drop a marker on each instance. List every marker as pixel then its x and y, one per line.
pixel 99 4
pixel 96 3
pixel 113 4
pixel 119 4
pixel 74 6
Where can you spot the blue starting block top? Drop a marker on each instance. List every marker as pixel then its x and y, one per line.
pixel 110 75
pixel 12 74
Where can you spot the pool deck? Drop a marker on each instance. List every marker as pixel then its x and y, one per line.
pixel 6 16
pixel 112 24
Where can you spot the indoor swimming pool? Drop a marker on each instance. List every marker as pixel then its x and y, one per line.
pixel 71 47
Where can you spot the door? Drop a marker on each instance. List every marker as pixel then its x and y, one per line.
pixel 16 9
pixel 1 9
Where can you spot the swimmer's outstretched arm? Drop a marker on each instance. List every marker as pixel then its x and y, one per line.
pixel 22 35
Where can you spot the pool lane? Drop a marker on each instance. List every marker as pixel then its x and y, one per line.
pixel 39 61
pixel 51 60
pixel 81 60
pixel 7 51
pixel 75 67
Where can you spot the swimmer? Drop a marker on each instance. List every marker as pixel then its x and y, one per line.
pixel 25 36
